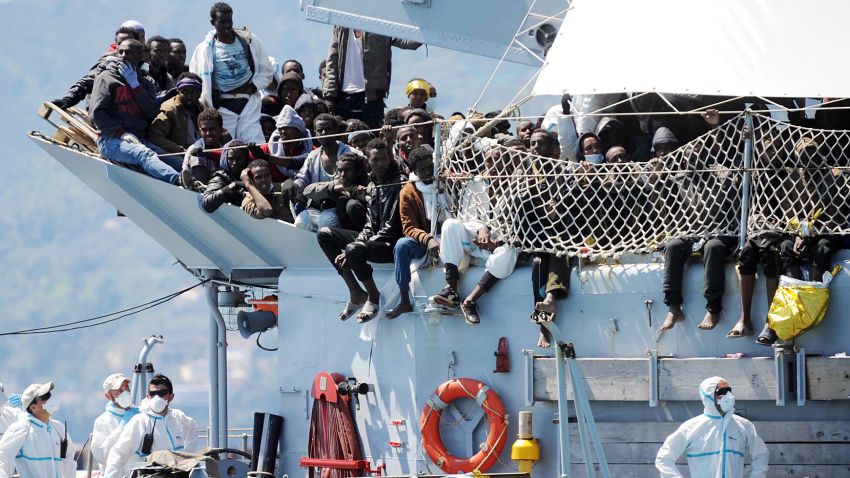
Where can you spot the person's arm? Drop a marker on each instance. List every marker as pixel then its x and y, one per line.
pixel 305 174
pixel 331 84
pixel 759 454
pixel 410 227
pixel 263 69
pixel 69 464
pixel 323 190
pixel 390 212
pixel 670 451
pixel 129 440
pixel 259 206
pixel 159 132
pixel 98 437
pixel 78 91
pixel 190 432
pixel 11 443
pixel 217 193
pixel 405 44
pixel 101 97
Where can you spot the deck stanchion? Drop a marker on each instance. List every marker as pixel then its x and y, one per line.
pixel 745 190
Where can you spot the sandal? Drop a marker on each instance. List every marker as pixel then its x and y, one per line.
pixel 447 297
pixel 470 312
pixel 369 312
pixel 349 310
pixel 739 331
pixel 767 337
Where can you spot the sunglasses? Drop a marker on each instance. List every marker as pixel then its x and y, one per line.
pixel 158 393
pixel 45 397
pixel 722 391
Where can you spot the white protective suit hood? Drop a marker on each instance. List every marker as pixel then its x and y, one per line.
pixel 706 394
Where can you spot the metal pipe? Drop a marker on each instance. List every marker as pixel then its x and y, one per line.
pixel 90 461
pixel 214 426
pixel 221 359
pixel 563 408
pixel 438 143
pixel 745 191
pixel 140 377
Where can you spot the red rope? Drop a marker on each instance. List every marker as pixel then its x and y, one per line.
pixel 333 436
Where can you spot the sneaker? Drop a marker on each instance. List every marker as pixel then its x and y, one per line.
pixel 447 297
pixel 470 312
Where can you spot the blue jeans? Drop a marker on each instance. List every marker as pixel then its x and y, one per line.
pixel 405 252
pixel 141 155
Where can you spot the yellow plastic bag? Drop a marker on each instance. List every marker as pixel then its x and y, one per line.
pixel 797 307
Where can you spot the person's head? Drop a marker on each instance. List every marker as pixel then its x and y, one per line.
pixel 408 138
pixel 616 155
pixel 35 397
pixel 116 389
pixel 160 49
pixel 590 149
pixel 716 396
pixel 290 126
pixel 322 65
pixel 132 52
pixel 515 144
pixel 267 124
pixel 160 394
pixel 211 127
pixel 290 88
pixel 136 27
pixel 189 89
pixel 523 131
pixel 221 18
pixel 358 134
pixel 421 162
pixel 293 66
pixel 420 119
pixel 125 33
pixel 351 168
pixel 260 174
pixel 236 157
pixel 326 124
pixel 664 142
pixel 417 91
pixel 379 158
pixel 541 143
pixel 178 52
pixel 502 126
pixel 307 109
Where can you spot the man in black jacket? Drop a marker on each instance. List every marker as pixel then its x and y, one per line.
pixel 123 104
pixel 350 252
pixel 225 186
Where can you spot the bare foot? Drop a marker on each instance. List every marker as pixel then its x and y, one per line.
pixel 548 307
pixel 674 315
pixel 709 321
pixel 402 308
pixel 543 340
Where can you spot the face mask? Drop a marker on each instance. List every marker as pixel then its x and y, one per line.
pixel 51 407
pixel 594 158
pixel 157 404
pixel 124 400
pixel 726 403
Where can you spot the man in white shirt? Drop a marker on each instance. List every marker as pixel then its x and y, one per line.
pixel 119 410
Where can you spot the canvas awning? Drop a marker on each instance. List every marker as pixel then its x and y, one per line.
pixel 767 48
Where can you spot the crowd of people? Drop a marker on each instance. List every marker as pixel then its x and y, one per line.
pixel 37 445
pixel 239 127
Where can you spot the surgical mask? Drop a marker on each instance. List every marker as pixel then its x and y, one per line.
pixel 157 404
pixel 124 400
pixel 594 158
pixel 51 407
pixel 726 403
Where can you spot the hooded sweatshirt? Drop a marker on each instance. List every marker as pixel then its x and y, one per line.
pixel 714 444
pixel 664 135
pixel 298 151
pixel 115 108
pixel 217 192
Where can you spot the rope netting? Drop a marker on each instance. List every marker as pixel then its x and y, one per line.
pixel 540 204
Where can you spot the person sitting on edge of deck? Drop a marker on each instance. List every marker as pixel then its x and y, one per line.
pixel 177 58
pixel 347 190
pixel 263 199
pixel 350 252
pixel 175 127
pixel 122 107
pixel 203 157
pixel 160 49
pixel 225 186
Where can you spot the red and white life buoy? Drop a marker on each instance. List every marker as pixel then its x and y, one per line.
pixel 494 410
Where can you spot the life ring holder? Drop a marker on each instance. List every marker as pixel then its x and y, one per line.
pixel 494 410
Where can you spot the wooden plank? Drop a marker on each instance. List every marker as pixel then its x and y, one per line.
pixel 751 378
pixel 605 379
pixel 769 431
pixel 780 453
pixel 774 471
pixel 828 378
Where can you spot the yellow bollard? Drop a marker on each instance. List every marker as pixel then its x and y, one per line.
pixel 525 451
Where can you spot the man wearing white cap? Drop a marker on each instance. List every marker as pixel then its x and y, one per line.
pixel 37 446
pixel 137 26
pixel 158 427
pixel 9 414
pixel 715 442
pixel 119 411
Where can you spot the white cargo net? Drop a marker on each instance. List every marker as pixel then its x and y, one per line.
pixel 556 206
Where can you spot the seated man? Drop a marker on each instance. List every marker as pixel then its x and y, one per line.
pixel 763 248
pixel 175 127
pixel 350 252
pixel 307 109
pixel 199 164
pixel 416 206
pixel 268 124
pixel 122 106
pixel 320 166
pixel 177 58
pixel 167 427
pixel 237 67
pixel 160 50
pixel 290 88
pixel 225 187
pixel 347 190
pixel 408 140
pixel 358 134
pixel 263 199
pixel 424 124
pixel 286 154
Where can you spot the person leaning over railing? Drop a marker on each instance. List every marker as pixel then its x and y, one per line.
pixel 225 187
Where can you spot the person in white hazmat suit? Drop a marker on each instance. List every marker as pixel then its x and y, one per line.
pixel 156 427
pixel 715 442
pixel 9 412
pixel 118 411
pixel 37 445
